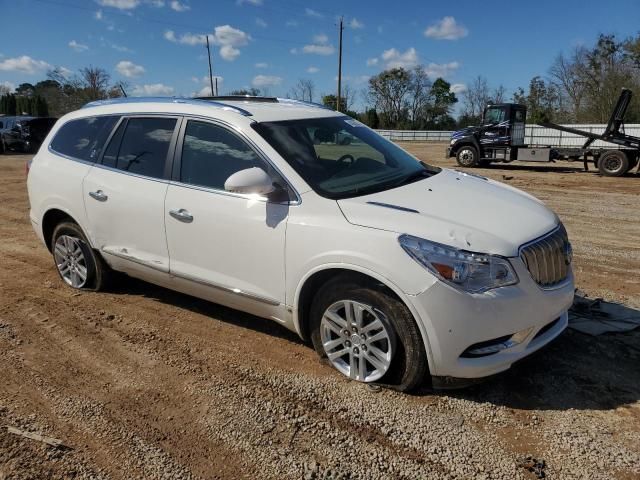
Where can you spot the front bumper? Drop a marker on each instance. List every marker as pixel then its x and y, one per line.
pixel 449 152
pixel 455 321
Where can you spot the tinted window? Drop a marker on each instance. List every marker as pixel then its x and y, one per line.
pixel 140 146
pixel 211 154
pixel 83 138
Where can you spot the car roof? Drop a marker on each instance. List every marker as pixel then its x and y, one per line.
pixel 259 109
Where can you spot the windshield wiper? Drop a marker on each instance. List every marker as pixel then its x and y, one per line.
pixel 414 177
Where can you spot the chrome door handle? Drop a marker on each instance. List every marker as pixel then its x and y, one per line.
pixel 99 195
pixel 182 215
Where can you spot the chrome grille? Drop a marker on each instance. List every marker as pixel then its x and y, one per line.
pixel 548 258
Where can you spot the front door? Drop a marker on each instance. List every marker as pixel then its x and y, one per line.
pixel 124 194
pixel 230 244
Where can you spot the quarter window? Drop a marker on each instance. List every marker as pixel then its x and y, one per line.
pixel 83 138
pixel 140 146
pixel 211 154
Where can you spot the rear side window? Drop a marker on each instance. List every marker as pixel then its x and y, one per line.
pixel 83 138
pixel 211 154
pixel 140 146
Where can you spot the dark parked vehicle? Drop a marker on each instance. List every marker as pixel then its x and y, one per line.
pixel 24 134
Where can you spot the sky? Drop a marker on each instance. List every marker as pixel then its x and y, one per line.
pixel 157 46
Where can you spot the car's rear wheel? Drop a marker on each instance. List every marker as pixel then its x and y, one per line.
pixel 77 264
pixel 367 334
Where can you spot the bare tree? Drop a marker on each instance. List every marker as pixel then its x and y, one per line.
pixel 4 89
pixel 476 97
pixel 499 94
pixel 303 90
pixel 568 75
pixel 390 91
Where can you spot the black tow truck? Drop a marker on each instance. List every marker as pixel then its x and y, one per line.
pixel 500 138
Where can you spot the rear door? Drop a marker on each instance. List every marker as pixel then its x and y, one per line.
pixel 233 244
pixel 124 194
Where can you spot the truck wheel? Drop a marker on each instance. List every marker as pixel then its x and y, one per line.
pixel 613 163
pixel 467 156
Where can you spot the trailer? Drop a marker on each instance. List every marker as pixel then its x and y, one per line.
pixel 500 138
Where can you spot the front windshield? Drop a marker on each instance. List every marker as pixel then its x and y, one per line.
pixel 340 157
pixel 494 115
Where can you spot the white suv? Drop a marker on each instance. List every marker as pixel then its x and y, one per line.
pixel 393 269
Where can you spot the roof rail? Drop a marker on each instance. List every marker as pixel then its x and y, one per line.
pixel 302 102
pixel 241 98
pixel 191 101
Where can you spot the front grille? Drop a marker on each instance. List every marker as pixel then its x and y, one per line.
pixel 548 258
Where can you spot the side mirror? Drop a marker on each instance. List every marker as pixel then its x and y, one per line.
pixel 250 180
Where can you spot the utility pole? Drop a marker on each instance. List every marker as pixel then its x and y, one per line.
pixel 210 71
pixel 339 66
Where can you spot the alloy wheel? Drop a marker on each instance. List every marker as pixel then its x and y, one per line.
pixel 70 260
pixel 357 340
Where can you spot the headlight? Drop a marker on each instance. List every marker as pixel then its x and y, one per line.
pixel 453 140
pixel 471 272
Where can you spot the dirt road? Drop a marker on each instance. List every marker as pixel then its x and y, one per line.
pixel 142 382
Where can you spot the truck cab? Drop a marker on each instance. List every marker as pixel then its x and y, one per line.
pixel 501 128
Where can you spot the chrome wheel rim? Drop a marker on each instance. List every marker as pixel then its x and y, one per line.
pixel 70 261
pixel 357 340
pixel 467 156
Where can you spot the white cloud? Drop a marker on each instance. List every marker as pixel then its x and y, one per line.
pixel 312 13
pixel 458 88
pixel 261 23
pixel 78 47
pixel 321 38
pixel 226 37
pixel 291 23
pixel 98 15
pixel 179 7
pixel 229 53
pixel 156 3
pixel 318 49
pixel 313 70
pixel 260 81
pixel 261 65
pixel 120 4
pixel 185 38
pixel 65 72
pixel 356 24
pixel 256 3
pixel 24 64
pixel 229 40
pixel 152 89
pixel 372 62
pixel 121 48
pixel 205 91
pixel 393 58
pixel 129 69
pixel 446 29
pixel 435 70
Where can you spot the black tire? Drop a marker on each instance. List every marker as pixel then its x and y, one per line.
pixel 468 156
pixel 97 271
pixel 409 364
pixel 613 163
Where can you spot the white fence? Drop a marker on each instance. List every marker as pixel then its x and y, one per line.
pixel 534 135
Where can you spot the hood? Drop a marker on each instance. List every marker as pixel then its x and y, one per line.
pixel 457 209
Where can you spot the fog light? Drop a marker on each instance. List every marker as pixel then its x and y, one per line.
pixel 496 345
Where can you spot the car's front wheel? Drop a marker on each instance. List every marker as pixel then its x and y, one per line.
pixel 78 265
pixel 367 334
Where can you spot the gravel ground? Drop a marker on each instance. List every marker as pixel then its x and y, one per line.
pixel 141 382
